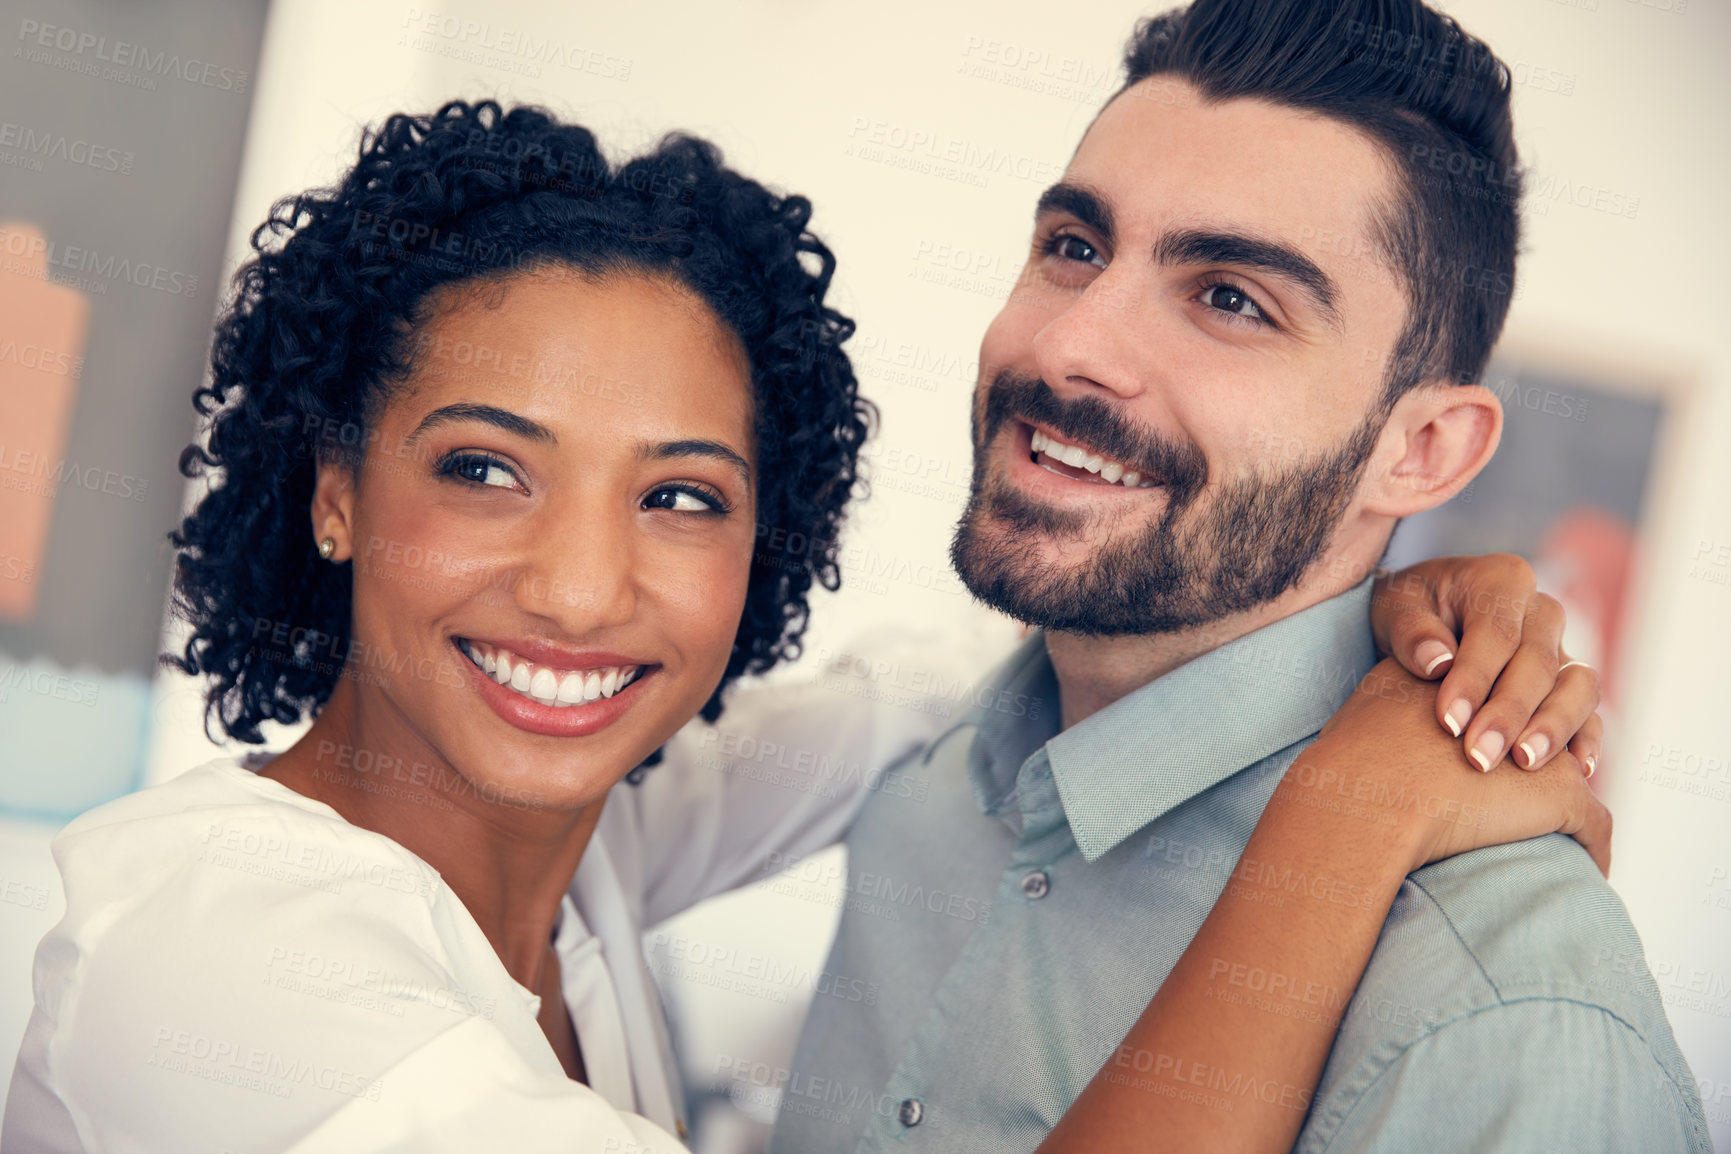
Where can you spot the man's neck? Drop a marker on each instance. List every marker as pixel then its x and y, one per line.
pixel 1093 672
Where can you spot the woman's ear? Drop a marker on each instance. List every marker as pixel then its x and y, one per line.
pixel 1436 440
pixel 333 509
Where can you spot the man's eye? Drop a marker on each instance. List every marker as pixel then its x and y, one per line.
pixel 1075 248
pixel 479 470
pixel 1231 299
pixel 678 499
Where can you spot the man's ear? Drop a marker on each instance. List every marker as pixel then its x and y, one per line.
pixel 1436 440
pixel 333 508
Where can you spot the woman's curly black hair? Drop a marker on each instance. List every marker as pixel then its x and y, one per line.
pixel 321 327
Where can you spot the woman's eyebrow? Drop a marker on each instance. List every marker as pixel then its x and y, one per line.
pixel 695 447
pixel 487 414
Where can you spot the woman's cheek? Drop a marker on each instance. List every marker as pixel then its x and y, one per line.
pixel 707 591
pixel 428 544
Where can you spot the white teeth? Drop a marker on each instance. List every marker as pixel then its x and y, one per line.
pixel 1079 458
pixel 571 689
pixel 544 686
pixel 549 687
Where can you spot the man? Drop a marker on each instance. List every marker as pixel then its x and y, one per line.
pixel 1274 235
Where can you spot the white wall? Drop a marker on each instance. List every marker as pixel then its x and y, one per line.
pixel 1621 95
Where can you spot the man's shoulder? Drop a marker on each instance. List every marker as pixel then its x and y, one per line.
pixel 1509 923
pixel 1495 945
pixel 1536 919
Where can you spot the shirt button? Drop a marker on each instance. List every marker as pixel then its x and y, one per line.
pixel 1036 885
pixel 911 1111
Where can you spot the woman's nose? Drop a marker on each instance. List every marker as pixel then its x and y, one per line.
pixel 582 571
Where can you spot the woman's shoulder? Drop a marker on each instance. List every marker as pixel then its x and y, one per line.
pixel 253 831
pixel 218 861
pixel 224 783
pixel 237 960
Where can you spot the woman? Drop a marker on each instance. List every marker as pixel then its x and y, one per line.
pixel 538 412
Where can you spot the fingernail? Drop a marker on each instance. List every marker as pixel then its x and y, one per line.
pixel 1535 747
pixel 1457 717
pixel 1488 750
pixel 1432 654
pixel 1592 763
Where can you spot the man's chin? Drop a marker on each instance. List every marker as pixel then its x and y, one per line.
pixel 1034 574
pixel 1099 579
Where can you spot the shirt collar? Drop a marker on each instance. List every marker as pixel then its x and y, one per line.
pixel 1181 733
pixel 1013 713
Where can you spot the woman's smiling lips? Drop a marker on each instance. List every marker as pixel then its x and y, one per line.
pixel 550 691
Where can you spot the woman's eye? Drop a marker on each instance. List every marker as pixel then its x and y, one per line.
pixel 681 500
pixel 1235 301
pixel 1075 248
pixel 480 471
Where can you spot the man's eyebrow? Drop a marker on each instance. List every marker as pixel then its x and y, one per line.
pixel 1081 202
pixel 1201 246
pixel 696 447
pixel 487 414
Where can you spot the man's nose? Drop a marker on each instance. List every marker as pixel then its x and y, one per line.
pixel 1099 339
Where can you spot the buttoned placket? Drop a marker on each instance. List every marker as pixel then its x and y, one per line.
pixel 1034 810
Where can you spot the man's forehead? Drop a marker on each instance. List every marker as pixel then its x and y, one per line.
pixel 1160 156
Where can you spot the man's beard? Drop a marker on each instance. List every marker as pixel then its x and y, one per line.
pixel 1199 562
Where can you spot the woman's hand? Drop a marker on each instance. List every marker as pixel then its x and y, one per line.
pixel 1379 758
pixel 1378 794
pixel 1504 686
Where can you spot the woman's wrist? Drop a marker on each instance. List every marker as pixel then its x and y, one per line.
pixel 1367 819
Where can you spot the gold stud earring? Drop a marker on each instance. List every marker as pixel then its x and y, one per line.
pixel 327 547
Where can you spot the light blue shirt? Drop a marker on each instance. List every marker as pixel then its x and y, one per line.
pixel 1018 922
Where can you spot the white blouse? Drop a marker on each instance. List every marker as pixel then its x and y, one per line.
pixel 241 969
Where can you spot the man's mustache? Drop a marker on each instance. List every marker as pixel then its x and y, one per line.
pixel 1180 465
